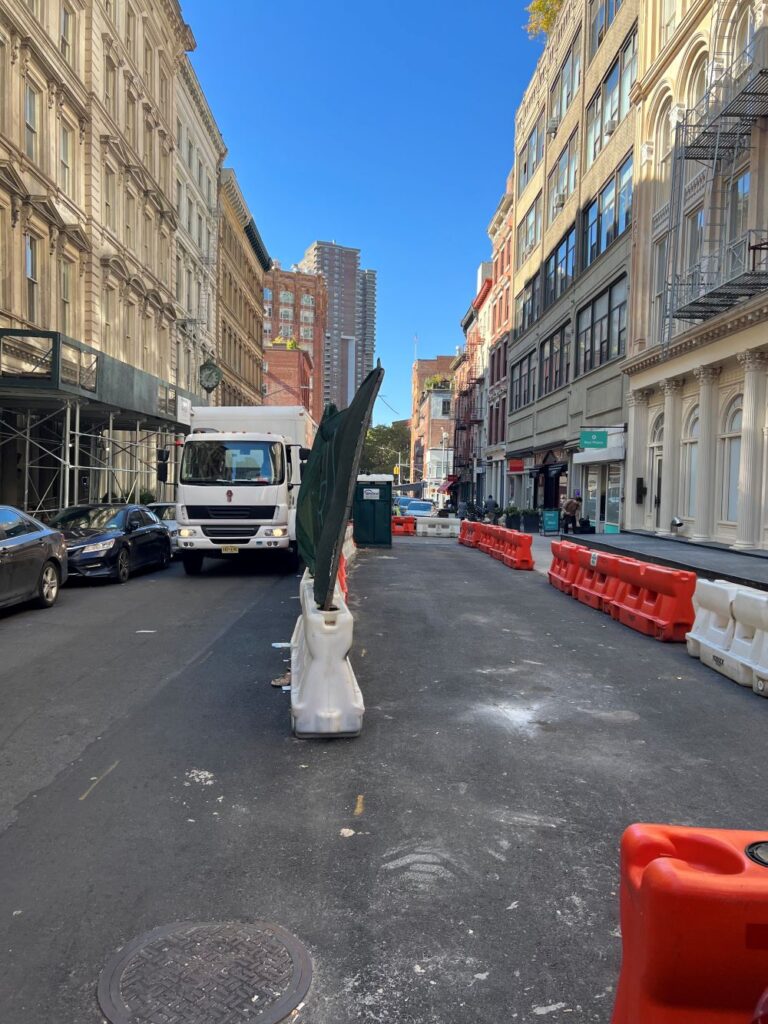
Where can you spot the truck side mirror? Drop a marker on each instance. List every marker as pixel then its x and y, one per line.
pixel 304 454
pixel 162 465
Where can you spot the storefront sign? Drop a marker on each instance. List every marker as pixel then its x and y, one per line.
pixel 371 494
pixel 593 439
pixel 515 465
pixel 550 520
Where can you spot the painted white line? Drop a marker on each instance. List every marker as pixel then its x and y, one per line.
pixel 282 644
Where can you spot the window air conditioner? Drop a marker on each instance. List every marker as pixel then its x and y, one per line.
pixel 560 198
pixel 610 126
pixel 264 389
pixel 265 367
pixel 552 125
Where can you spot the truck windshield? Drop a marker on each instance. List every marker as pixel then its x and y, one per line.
pixel 253 463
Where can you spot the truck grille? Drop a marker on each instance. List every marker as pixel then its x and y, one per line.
pixel 225 534
pixel 231 511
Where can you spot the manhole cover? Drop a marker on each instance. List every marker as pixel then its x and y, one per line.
pixel 206 974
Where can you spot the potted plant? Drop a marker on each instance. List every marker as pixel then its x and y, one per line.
pixel 529 520
pixel 512 517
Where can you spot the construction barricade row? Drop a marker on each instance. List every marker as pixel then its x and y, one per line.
pixel 511 547
pixel 649 598
pixel 730 632
pixel 325 697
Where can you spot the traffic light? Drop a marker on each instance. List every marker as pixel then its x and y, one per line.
pixel 163 456
pixel 396 470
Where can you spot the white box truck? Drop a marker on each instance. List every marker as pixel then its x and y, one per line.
pixel 238 481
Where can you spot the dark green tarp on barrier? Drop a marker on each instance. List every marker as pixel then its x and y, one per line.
pixel 327 487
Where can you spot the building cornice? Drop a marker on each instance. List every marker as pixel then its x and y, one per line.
pixel 206 115
pixel 755 312
pixel 505 205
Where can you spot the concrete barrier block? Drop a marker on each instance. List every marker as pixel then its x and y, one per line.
pixel 325 697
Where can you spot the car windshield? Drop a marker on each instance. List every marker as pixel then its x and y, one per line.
pixel 164 511
pixel 100 517
pixel 420 506
pixel 255 463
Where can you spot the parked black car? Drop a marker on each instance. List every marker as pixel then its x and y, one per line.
pixel 33 559
pixel 111 541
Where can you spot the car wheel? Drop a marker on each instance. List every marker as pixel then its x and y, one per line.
pixel 193 564
pixel 165 558
pixel 48 585
pixel 123 566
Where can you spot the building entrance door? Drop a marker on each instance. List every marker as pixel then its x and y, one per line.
pixel 656 486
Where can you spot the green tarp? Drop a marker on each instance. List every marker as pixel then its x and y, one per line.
pixel 327 487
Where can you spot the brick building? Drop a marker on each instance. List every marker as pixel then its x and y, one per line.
pixel 431 418
pixel 296 309
pixel 288 376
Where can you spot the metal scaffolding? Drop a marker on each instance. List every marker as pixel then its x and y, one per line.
pixel 68 454
pixel 717 133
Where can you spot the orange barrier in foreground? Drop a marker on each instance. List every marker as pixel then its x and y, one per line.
pixel 341 576
pixel 564 568
pixel 511 547
pixel 597 581
pixel 694 925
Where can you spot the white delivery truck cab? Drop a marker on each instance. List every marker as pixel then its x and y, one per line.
pixel 238 481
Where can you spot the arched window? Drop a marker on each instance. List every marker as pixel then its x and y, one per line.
pixel 743 36
pixel 691 432
pixel 657 433
pixel 730 443
pixel 663 147
pixel 697 83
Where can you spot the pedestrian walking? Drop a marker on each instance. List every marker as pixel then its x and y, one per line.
pixel 492 508
pixel 571 509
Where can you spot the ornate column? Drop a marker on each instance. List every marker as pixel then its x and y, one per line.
pixel 637 446
pixel 705 462
pixel 670 474
pixel 751 463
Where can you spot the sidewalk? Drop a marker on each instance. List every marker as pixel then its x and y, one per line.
pixel 747 568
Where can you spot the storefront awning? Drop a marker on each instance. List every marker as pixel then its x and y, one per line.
pixel 447 484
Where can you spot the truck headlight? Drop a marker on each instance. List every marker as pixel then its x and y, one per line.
pixel 278 532
pixel 187 531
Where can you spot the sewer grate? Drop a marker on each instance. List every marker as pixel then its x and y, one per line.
pixel 194 973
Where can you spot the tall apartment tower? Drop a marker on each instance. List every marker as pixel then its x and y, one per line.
pixel 349 341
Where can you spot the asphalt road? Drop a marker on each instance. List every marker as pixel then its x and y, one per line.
pixel 511 735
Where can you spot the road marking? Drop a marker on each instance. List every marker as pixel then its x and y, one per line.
pixel 359 805
pixel 146 630
pixel 282 644
pixel 93 785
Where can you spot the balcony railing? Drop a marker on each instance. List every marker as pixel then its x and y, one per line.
pixel 721 280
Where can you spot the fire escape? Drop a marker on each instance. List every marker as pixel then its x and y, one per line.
pixel 717 133
pixel 468 411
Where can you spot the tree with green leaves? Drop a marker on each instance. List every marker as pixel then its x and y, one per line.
pixel 542 15
pixel 383 445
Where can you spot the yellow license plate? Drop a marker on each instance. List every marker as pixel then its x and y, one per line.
pixel 229 549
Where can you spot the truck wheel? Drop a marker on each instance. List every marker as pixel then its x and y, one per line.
pixel 193 564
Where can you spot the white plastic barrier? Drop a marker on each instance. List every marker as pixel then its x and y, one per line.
pixel 325 697
pixel 429 527
pixel 713 625
pixel 730 632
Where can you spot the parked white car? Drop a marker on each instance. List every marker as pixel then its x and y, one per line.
pixel 166 513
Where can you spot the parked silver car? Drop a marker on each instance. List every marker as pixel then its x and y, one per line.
pixel 166 513
pixel 33 560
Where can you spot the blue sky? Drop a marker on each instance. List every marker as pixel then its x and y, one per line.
pixel 387 126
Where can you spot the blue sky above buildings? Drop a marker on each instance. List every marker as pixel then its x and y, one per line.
pixel 386 126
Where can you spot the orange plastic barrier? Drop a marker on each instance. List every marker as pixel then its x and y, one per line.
pixel 485 539
pixel 467 533
pixel 403 526
pixel 498 542
pixel 597 582
pixel 563 570
pixel 694 925
pixel 655 600
pixel 518 550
